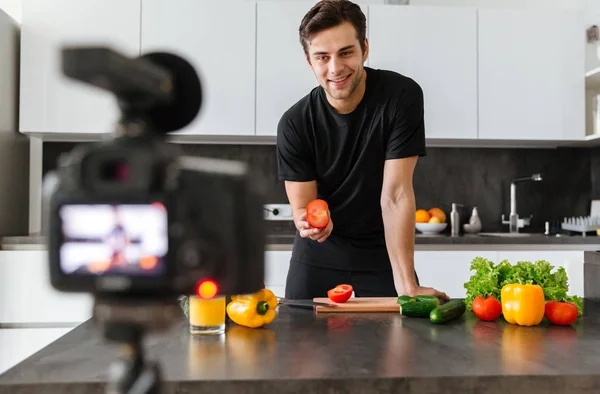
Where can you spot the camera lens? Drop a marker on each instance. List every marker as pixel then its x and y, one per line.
pixel 115 171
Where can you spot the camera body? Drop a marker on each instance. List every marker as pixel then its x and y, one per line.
pixel 133 217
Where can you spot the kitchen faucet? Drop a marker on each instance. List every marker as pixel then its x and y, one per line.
pixel 514 223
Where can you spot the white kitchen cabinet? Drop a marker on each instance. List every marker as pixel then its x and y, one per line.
pixel 220 44
pixel 448 271
pixel 49 101
pixel 26 295
pixel 531 74
pixel 282 75
pixel 437 47
pixel 277 264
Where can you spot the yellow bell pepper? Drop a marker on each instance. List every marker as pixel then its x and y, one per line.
pixel 253 310
pixel 523 304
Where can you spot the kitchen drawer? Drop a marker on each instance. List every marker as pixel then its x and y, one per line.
pixel 26 295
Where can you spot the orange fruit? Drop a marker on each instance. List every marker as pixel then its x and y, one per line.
pixel 438 213
pixel 422 216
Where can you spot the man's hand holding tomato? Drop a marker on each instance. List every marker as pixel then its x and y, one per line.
pixel 315 221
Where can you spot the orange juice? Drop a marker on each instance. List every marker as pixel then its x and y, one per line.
pixel 207 316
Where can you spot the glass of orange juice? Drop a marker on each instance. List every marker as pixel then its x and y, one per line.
pixel 207 316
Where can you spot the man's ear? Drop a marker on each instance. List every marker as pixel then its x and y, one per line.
pixel 307 59
pixel 366 51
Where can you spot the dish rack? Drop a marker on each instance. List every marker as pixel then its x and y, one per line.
pixel 581 224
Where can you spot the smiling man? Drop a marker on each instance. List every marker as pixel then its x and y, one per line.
pixel 353 141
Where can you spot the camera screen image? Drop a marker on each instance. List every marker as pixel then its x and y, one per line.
pixel 127 239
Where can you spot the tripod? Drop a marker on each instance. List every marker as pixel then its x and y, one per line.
pixel 126 322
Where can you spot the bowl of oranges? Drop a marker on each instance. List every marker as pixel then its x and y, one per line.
pixel 431 221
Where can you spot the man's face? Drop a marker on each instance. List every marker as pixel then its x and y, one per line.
pixel 336 58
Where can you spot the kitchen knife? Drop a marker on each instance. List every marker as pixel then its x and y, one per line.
pixel 302 303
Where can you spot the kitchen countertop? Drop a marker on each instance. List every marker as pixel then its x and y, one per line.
pixel 283 241
pixel 304 352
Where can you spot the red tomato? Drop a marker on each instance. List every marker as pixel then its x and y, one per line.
pixel 487 308
pixel 340 293
pixel 561 313
pixel 317 213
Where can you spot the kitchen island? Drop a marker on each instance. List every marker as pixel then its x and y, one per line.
pixel 305 352
pixel 441 261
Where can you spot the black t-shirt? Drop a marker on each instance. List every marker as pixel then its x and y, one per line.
pixel 345 154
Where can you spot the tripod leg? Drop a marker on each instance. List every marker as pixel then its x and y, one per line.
pixel 149 381
pixel 122 380
pixel 131 375
pixel 121 376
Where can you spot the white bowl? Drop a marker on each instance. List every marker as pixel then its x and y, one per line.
pixel 431 228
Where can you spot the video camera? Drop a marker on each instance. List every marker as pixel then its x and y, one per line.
pixel 134 217
pixel 135 222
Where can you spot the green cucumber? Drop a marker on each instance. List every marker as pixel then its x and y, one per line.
pixel 451 310
pixel 418 308
pixel 404 298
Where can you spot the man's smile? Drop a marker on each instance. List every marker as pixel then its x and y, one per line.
pixel 339 81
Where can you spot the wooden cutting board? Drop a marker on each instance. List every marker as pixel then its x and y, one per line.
pixel 361 304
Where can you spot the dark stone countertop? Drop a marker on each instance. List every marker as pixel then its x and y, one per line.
pixel 421 239
pixel 304 352
pixel 284 241
pixel 539 239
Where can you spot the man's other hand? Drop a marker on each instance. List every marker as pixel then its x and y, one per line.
pixel 421 290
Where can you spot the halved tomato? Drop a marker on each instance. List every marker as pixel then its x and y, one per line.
pixel 317 213
pixel 340 293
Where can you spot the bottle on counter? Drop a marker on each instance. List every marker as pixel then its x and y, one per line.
pixel 455 220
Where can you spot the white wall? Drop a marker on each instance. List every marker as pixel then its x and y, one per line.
pixel 12 8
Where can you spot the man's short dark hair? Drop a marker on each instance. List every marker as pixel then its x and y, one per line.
pixel 331 13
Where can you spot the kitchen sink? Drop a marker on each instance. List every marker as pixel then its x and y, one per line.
pixel 509 235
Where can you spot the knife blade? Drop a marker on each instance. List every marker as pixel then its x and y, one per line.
pixel 302 303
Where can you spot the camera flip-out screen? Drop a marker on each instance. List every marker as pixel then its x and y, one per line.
pixel 122 239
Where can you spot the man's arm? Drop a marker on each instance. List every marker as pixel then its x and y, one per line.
pixel 300 194
pixel 398 209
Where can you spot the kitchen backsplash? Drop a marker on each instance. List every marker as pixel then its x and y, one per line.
pixel 474 177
